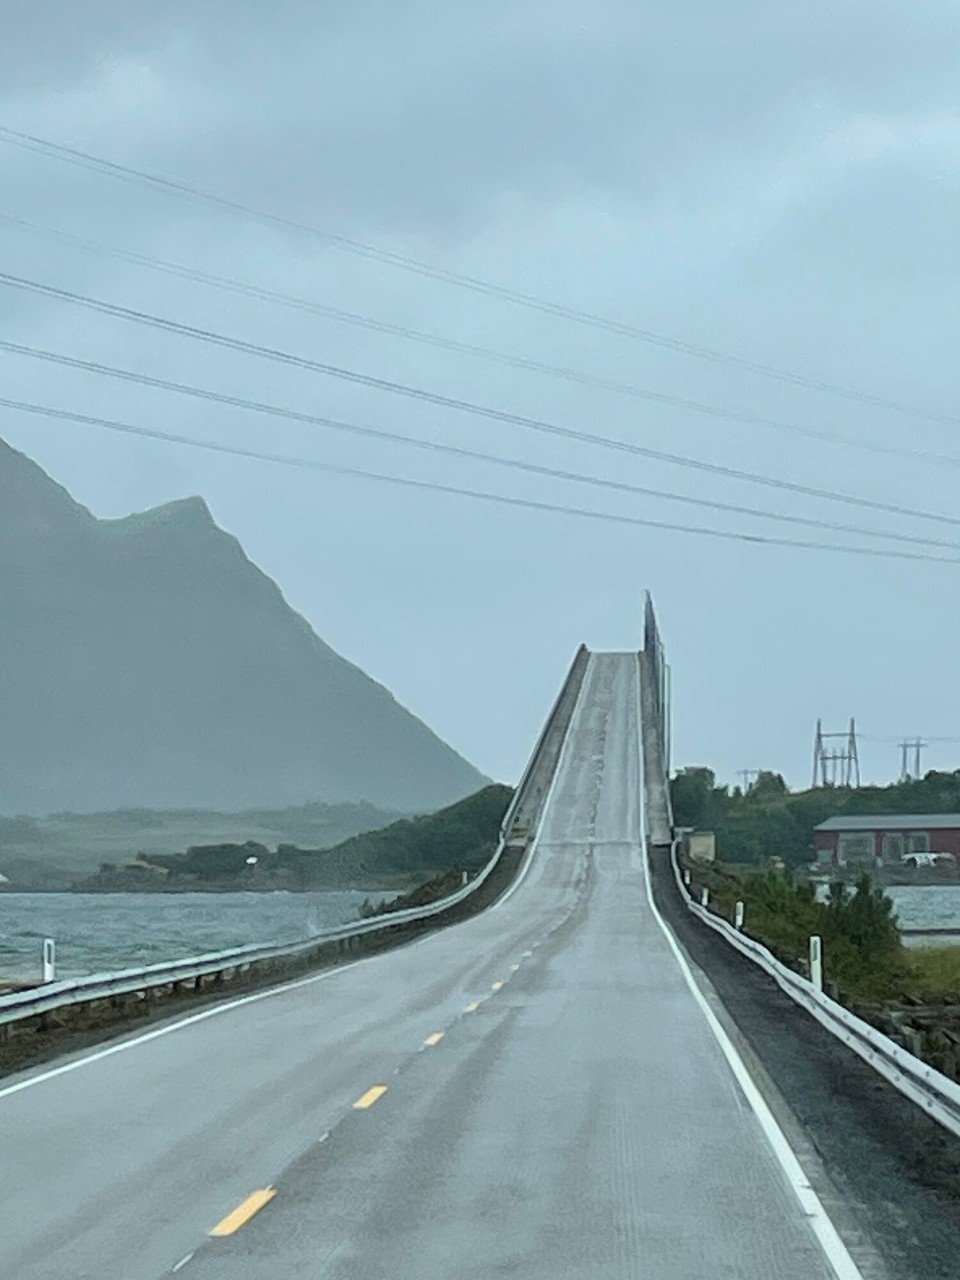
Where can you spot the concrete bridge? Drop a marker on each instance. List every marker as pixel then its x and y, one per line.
pixel 551 1088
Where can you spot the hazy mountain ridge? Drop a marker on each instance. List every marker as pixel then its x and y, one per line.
pixel 146 662
pixel 50 852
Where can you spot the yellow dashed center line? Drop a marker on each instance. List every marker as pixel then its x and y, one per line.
pixel 472 1008
pixel 434 1039
pixel 370 1097
pixel 527 955
pixel 243 1212
pixel 514 968
pixel 496 986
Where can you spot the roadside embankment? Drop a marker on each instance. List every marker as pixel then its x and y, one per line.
pixel 911 995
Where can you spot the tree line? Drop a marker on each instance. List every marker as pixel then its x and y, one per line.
pixel 768 819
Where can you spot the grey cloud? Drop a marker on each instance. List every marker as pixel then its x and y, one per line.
pixel 418 116
pixel 764 177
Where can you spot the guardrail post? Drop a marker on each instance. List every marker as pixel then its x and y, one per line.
pixel 738 916
pixel 48 960
pixel 464 877
pixel 704 897
pixel 816 962
pixel 686 876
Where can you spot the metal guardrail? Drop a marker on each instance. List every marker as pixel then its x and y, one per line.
pixel 930 1089
pixel 55 995
pixel 48 998
pixel 659 674
pixel 655 730
pixel 552 735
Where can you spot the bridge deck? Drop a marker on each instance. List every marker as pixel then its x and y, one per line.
pixel 580 1121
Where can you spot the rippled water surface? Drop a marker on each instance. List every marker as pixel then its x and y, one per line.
pixel 96 932
pixel 927 906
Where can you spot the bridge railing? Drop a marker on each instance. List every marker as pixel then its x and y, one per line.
pixel 654 730
pixel 659 673
pixel 326 947
pixel 930 1089
pixel 526 808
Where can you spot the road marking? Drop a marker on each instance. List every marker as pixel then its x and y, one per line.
pixel 514 968
pixel 323 1137
pixel 213 1012
pixel 472 1008
pixel 181 1264
pixel 366 1100
pixel 434 1039
pixel 554 782
pixel 243 1212
pixel 527 955
pixel 827 1235
pixel 496 986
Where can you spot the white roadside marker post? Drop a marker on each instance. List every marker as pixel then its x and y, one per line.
pixel 816 962
pixel 48 960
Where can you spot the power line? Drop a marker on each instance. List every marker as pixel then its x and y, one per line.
pixel 898 741
pixel 128 173
pixel 246 289
pixel 457 491
pixel 393 437
pixel 465 406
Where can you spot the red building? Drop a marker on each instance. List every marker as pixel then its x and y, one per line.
pixel 889 839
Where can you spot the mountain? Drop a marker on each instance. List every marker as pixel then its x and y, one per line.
pixel 146 662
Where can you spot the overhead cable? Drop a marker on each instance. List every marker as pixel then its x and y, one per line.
pixel 437 446
pixel 128 173
pixel 464 406
pixel 501 499
pixel 614 386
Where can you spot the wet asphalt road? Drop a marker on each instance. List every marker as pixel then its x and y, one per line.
pixel 571 1116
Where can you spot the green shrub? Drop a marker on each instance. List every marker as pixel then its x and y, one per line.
pixel 862 949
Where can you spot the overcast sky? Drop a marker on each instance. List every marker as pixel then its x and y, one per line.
pixel 780 181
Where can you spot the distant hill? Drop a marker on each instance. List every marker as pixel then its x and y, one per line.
pixel 147 663
pixel 50 852
pixel 461 837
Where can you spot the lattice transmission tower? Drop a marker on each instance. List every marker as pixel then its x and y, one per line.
pixel 836 766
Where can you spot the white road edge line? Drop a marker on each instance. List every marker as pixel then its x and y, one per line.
pixel 827 1235
pixel 546 800
pixel 182 1263
pixel 193 1018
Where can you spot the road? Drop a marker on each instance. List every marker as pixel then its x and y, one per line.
pixel 556 1103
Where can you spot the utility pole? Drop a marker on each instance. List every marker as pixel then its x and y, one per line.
pixel 836 768
pixel 749 777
